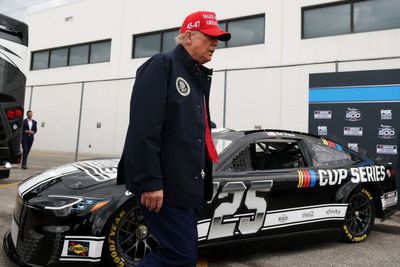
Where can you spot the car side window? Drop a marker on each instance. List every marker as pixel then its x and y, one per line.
pixel 241 161
pixel 325 155
pixel 268 155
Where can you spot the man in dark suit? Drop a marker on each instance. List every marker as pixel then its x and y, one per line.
pixel 29 129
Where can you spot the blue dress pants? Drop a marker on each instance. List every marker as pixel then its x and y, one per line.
pixel 176 232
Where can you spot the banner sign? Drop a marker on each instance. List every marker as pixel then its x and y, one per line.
pixel 360 110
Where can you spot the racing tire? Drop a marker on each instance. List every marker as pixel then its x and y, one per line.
pixel 128 238
pixel 360 217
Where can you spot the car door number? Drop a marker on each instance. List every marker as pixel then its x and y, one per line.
pixel 227 221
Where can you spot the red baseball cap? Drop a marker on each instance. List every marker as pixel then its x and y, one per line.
pixel 205 22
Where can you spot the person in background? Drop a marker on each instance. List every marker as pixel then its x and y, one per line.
pixel 29 129
pixel 168 152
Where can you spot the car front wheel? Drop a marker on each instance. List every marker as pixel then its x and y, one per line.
pixel 128 238
pixel 360 216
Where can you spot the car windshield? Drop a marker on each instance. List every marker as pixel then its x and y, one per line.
pixel 223 138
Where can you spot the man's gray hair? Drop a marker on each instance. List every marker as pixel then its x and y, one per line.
pixel 179 38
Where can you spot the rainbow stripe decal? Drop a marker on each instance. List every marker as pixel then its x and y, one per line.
pixel 306 179
pixel 332 144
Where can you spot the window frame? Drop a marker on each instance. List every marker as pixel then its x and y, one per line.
pixel 227 21
pixel 77 45
pixel 303 148
pixel 49 50
pixel 90 50
pixel 160 32
pixel 50 54
pixel 33 58
pixel 225 43
pixel 338 162
pixel 345 2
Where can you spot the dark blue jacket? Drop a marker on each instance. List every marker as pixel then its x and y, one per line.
pixel 164 146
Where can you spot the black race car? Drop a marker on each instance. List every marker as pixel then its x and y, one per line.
pixel 268 184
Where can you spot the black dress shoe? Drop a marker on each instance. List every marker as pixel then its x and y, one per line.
pixel 24 167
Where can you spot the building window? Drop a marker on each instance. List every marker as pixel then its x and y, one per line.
pixel 100 52
pixel 147 45
pixel 376 15
pixel 350 17
pixel 168 40
pixel 245 31
pixel 248 31
pixel 58 57
pixel 79 55
pixel 327 21
pixel 40 60
pixel 93 52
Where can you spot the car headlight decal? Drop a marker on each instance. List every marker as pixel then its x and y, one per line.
pixel 77 200
pixel 99 205
pixel 76 204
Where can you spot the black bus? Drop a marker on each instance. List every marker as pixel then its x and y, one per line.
pixel 13 51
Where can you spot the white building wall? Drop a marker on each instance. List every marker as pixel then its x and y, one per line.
pixel 57 107
pixel 270 97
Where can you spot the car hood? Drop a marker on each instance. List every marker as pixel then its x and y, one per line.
pixel 77 175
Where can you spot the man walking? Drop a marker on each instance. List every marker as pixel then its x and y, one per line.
pixel 29 129
pixel 168 152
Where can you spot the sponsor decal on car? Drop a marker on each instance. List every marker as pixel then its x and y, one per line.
pixel 354 238
pixel 357 175
pixel 296 215
pixel 112 240
pixel 324 177
pixel 308 214
pixel 277 219
pixel 82 248
pixel 332 144
pixel 280 134
pixel 78 248
pixel 389 199
pixel 283 218
pixel 306 179
pixel 44 178
pixel 99 170
pixel 226 221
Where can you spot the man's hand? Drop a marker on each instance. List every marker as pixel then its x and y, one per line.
pixel 152 200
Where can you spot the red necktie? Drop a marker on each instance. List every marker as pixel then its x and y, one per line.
pixel 211 152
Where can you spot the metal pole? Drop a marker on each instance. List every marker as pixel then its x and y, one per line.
pixel 30 99
pixel 225 91
pixel 336 66
pixel 79 122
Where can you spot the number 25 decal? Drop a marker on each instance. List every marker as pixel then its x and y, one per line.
pixel 225 218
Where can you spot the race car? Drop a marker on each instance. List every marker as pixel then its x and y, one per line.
pixel 268 184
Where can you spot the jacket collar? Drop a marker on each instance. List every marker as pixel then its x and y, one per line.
pixel 192 65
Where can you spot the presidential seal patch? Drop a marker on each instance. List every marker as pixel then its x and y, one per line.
pixel 182 86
